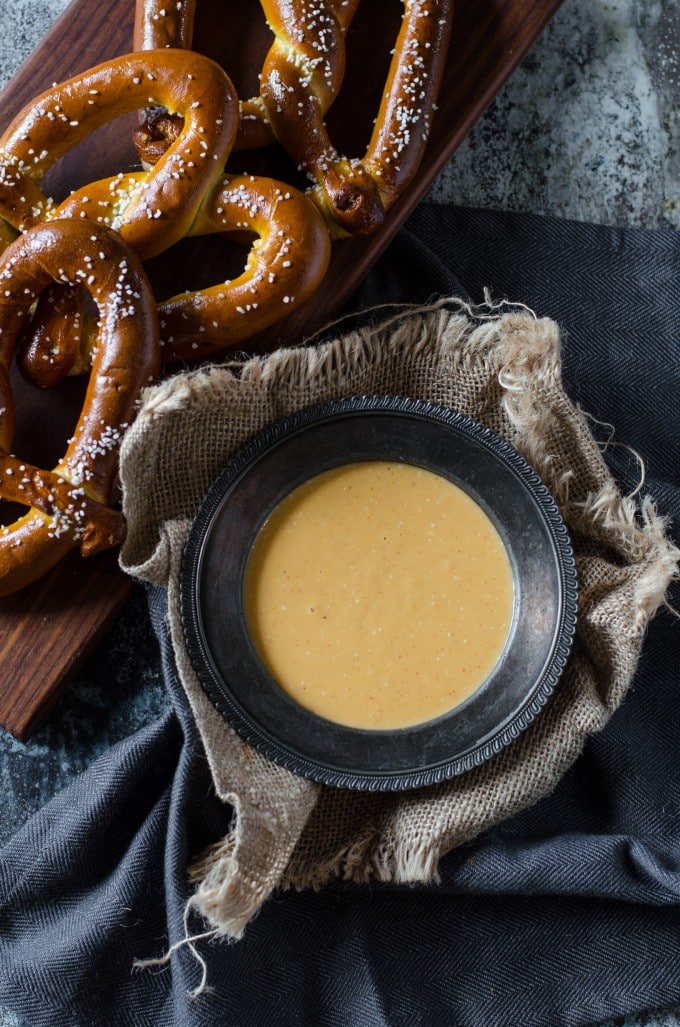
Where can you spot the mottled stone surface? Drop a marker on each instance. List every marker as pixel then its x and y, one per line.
pixel 588 127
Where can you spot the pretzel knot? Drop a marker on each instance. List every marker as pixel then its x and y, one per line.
pixel 163 203
pixel 68 506
pixel 72 512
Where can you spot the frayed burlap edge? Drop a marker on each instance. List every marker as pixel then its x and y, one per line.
pixel 501 366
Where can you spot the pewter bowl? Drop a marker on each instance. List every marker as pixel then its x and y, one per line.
pixel 396 429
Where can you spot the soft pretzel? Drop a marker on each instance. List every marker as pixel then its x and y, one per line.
pixel 284 267
pixel 319 41
pixel 68 505
pixel 355 194
pixel 162 205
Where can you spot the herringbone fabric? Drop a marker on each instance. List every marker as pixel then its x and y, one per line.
pixel 565 914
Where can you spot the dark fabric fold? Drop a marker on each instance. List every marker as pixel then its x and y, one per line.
pixel 566 914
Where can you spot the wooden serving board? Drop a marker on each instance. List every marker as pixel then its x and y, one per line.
pixel 49 629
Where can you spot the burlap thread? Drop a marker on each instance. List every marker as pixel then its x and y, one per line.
pixel 500 366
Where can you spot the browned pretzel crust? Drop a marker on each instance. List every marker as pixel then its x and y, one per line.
pixel 284 267
pixel 99 527
pixel 319 41
pixel 355 194
pixel 68 506
pixel 165 201
pixel 59 337
pixel 160 24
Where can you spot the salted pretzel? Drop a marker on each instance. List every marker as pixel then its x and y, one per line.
pixel 160 207
pixel 68 506
pixel 284 267
pixel 318 41
pixel 356 194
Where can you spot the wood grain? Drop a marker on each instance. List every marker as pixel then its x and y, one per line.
pixel 49 629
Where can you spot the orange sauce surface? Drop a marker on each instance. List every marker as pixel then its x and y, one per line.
pixel 378 595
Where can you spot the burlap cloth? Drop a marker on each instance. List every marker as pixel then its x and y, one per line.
pixel 502 367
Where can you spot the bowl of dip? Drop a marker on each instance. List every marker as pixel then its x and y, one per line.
pixel 379 593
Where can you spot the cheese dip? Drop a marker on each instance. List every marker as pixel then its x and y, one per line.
pixel 378 595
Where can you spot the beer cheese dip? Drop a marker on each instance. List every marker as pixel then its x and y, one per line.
pixel 378 595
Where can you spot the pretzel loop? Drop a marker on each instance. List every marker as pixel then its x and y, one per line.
pixel 163 204
pixel 68 505
pixel 284 267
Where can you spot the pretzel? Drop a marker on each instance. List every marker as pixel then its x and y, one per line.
pixel 356 194
pixel 284 267
pixel 167 23
pixel 163 204
pixel 68 506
